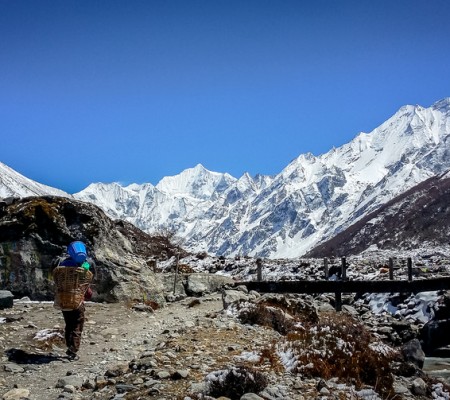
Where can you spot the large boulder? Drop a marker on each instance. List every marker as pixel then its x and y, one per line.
pixel 195 284
pixel 412 352
pixel 199 284
pixel 6 299
pixel 435 334
pixel 232 296
pixel 35 230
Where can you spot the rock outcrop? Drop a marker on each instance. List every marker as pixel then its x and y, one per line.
pixel 6 299
pixel 35 230
pixel 414 219
pixel 435 334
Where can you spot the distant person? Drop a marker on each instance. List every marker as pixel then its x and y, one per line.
pixel 72 277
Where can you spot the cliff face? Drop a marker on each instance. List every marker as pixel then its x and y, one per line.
pixel 417 219
pixel 35 230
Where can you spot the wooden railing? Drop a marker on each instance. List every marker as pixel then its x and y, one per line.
pixel 344 285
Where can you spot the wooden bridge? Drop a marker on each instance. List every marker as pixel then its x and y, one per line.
pixel 348 286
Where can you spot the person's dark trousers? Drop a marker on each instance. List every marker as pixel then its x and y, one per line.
pixel 74 320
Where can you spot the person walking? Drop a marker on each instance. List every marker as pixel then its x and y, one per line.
pixel 72 277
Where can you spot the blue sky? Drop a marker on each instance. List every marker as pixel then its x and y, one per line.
pixel 132 91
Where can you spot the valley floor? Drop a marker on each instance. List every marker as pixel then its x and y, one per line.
pixel 175 347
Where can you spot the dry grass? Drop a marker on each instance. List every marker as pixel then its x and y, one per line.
pixel 268 355
pixel 336 345
pixel 339 346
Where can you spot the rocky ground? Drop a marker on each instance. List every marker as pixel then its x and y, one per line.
pixel 132 352
pixel 181 344
pixel 114 335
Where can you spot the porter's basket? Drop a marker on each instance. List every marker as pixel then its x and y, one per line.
pixel 71 285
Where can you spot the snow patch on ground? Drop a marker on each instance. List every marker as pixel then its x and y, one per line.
pixel 48 334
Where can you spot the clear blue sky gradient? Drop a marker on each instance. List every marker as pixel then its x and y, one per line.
pixel 132 91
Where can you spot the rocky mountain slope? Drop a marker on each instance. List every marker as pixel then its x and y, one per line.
pixel 13 184
pixel 417 219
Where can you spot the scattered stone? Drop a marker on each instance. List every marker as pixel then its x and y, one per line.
pixel 139 352
pixel 72 380
pixel 200 283
pixel 100 383
pixel 123 388
pixel 251 396
pixel 16 394
pixel 163 375
pixel 180 374
pixel 69 389
pixel 110 332
pixel 419 387
pixel 13 368
pixel 143 308
pixel 233 296
pixel 116 370
pixel 400 389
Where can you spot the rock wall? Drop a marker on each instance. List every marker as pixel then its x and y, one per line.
pixel 36 230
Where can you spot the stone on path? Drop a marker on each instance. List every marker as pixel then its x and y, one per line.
pixel 16 394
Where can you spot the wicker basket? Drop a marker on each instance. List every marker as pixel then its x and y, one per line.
pixel 71 285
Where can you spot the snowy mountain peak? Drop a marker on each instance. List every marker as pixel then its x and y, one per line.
pixel 14 184
pixel 308 202
pixel 196 182
pixel 442 105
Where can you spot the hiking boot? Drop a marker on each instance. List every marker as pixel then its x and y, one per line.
pixel 72 356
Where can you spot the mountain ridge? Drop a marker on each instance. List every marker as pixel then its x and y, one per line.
pixel 312 199
pixel 14 184
pixel 416 219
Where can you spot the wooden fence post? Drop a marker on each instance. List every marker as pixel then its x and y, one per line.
pixel 344 269
pixel 258 269
pixel 338 305
pixel 409 269
pixel 325 266
pixel 391 269
pixel 175 276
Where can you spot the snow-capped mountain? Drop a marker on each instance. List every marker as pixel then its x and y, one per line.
pixel 13 184
pixel 183 204
pixel 311 200
pixel 416 222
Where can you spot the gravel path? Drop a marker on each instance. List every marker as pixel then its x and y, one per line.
pixel 113 333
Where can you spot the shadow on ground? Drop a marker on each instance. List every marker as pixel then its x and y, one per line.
pixel 22 357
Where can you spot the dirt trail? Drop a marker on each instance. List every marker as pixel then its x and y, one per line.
pixel 114 333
